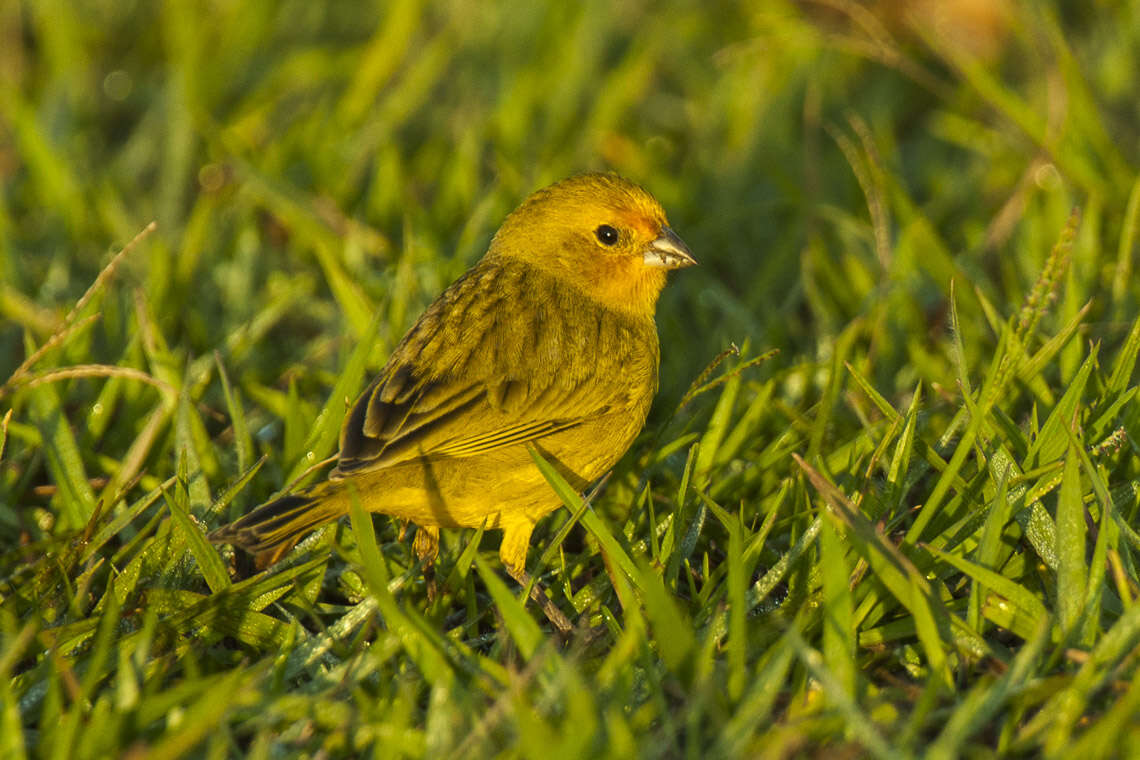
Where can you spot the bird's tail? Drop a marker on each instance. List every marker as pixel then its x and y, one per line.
pixel 272 529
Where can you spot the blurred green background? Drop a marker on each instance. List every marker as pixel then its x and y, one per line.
pixel 360 157
pixel 846 173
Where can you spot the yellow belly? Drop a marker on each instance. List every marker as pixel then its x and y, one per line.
pixel 496 487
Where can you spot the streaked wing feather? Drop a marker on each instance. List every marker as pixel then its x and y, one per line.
pixel 381 433
pixel 478 444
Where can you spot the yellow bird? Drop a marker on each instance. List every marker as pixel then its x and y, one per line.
pixel 548 341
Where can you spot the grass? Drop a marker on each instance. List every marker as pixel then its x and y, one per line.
pixel 910 532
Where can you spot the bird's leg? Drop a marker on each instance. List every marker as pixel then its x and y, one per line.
pixel 512 552
pixel 426 547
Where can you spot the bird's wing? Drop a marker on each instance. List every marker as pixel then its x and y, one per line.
pixel 449 418
pixel 461 384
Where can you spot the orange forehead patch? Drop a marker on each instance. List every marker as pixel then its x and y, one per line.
pixel 645 219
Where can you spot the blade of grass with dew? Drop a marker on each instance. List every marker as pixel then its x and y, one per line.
pixel 187 444
pixel 839 642
pixel 260 591
pixel 76 499
pixel 689 541
pixel 1031 515
pixel 670 542
pixel 1072 570
pixel 124 518
pixel 212 617
pixel 901 461
pixel 760 590
pixel 1097 593
pixel 209 563
pixel 989 545
pixel 307 653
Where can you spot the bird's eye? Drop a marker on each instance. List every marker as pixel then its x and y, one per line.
pixel 606 235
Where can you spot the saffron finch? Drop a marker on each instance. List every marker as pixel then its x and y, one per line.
pixel 548 341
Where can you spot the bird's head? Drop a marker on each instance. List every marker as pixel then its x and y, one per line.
pixel 600 233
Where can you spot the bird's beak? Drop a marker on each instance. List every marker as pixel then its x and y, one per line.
pixel 668 252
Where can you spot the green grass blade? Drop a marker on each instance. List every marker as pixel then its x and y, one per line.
pixel 1072 567
pixel 207 557
pixel 839 642
pixel 76 499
